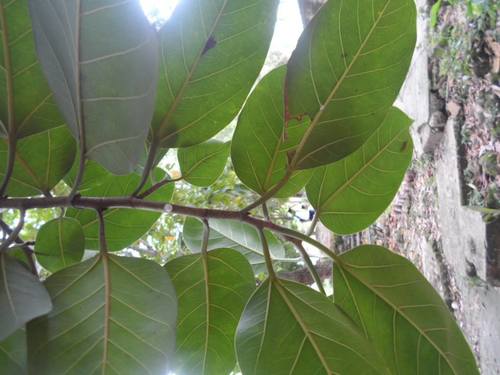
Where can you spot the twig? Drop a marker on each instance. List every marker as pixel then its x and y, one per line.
pixel 267 254
pixel 314 222
pixel 265 197
pixel 310 266
pixel 25 246
pixel 157 186
pixel 147 168
pixel 11 158
pixel 15 232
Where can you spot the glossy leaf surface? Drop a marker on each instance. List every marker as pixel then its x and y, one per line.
pixel 22 296
pixel 213 291
pixel 288 328
pixel 202 164
pixel 101 61
pixel 211 54
pixel 59 243
pixel 42 160
pixel 123 226
pixel 260 141
pixel 231 234
pixel 111 315
pixel 352 193
pixel 345 74
pixel 398 309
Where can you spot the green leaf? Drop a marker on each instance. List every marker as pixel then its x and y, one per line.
pixel 401 313
pixel 13 354
pixel 212 52
pixel 22 296
pixel 259 151
pixel 435 13
pixel 288 328
pixel 94 175
pixel 352 193
pixel 202 164
pixel 213 291
pixel 101 61
pixel 26 103
pixel 123 226
pixel 111 315
pixel 41 161
pixel 346 72
pixel 236 235
pixel 59 243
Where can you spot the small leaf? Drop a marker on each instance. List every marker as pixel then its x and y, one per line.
pixel 352 193
pixel 212 53
pixel 123 226
pixel 288 328
pixel 212 294
pixel 59 243
pixel 261 141
pixel 346 72
pixel 202 164
pixel 41 162
pixel 111 315
pixel 101 61
pixel 236 235
pixel 401 313
pixel 22 296
pixel 13 354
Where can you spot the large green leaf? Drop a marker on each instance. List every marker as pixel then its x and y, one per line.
pixel 13 354
pixel 288 328
pixel 202 164
pixel 236 235
pixel 26 104
pixel 22 296
pixel 345 74
pixel 212 52
pixel 213 291
pixel 258 151
pixel 101 60
pixel 42 160
pixel 401 313
pixel 112 315
pixel 352 193
pixel 123 226
pixel 59 243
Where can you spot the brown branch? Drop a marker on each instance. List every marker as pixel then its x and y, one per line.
pixel 25 246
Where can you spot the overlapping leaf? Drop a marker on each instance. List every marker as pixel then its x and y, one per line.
pixel 212 52
pixel 42 160
pixel 123 226
pixel 352 193
pixel 202 164
pixel 111 315
pixel 101 61
pixel 59 243
pixel 22 296
pixel 398 309
pixel 26 104
pixel 346 72
pixel 288 328
pixel 213 291
pixel 236 235
pixel 13 354
pixel 260 141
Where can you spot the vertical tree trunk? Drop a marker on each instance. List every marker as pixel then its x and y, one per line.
pixel 308 9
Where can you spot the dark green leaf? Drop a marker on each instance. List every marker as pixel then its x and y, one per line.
pixel 41 162
pixel 202 164
pixel 22 296
pixel 212 294
pixel 352 193
pixel 112 315
pixel 258 151
pixel 401 313
pixel 236 235
pixel 101 61
pixel 345 74
pixel 26 104
pixel 212 52
pixel 59 243
pixel 13 354
pixel 123 226
pixel 288 328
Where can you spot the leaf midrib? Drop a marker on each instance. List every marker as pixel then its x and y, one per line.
pixel 346 72
pixel 8 73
